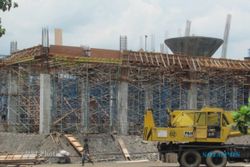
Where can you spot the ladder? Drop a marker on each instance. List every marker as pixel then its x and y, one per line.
pixel 75 143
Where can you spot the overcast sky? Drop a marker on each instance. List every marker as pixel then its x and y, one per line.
pixel 99 23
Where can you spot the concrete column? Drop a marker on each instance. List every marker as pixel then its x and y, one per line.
pixel 248 94
pixel 148 97
pixel 58 36
pixel 12 100
pixel 123 107
pixel 45 104
pixel 192 96
pixel 54 81
pixel 234 100
pixel 112 105
pixel 84 89
pixel 207 96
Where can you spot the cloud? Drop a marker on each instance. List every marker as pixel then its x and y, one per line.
pixel 99 23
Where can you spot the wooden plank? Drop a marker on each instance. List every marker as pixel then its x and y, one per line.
pixel 198 63
pixel 217 64
pixel 194 64
pixel 241 65
pixel 146 55
pixel 206 63
pixel 64 116
pixel 245 64
pixel 152 60
pixel 20 159
pixel 163 61
pixel 188 62
pixel 228 65
pixel 167 59
pixel 124 149
pixel 141 57
pixel 212 63
pixel 173 60
pixel 179 62
pixel 135 55
pixel 157 61
pixel 75 143
pixel 220 63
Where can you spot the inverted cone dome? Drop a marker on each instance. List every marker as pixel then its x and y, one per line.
pixel 194 45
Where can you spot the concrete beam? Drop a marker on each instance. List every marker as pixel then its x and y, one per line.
pixel 123 107
pixel 45 104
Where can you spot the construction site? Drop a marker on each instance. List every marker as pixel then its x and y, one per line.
pixel 52 97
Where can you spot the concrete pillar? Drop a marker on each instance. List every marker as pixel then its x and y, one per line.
pixel 248 94
pixel 112 105
pixel 148 97
pixel 207 95
pixel 84 89
pixel 58 36
pixel 12 101
pixel 192 96
pixel 54 96
pixel 122 101
pixel 234 100
pixel 45 104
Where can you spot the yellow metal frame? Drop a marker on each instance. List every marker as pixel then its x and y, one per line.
pixel 184 129
pixel 86 59
pixel 16 60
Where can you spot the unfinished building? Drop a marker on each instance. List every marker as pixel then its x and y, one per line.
pixel 76 89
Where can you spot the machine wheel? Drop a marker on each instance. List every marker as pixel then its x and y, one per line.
pixel 216 159
pixel 163 157
pixel 190 158
pixel 67 160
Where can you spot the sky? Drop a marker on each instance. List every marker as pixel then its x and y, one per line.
pixel 99 23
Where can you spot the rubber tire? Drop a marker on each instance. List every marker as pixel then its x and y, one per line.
pixel 196 163
pixel 210 163
pixel 163 158
pixel 67 160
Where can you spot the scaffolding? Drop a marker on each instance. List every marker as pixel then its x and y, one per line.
pixel 3 99
pixel 84 86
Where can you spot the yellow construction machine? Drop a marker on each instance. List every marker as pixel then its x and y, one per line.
pixel 197 137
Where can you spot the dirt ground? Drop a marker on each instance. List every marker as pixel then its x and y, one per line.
pixel 103 146
pixel 132 164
